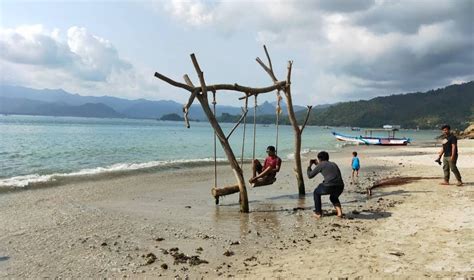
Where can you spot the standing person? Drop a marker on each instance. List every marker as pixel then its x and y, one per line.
pixel 355 165
pixel 263 175
pixel 450 152
pixel 333 185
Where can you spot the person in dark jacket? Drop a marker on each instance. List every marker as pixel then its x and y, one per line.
pixel 333 185
pixel 450 152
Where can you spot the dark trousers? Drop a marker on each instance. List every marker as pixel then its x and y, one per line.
pixel 451 164
pixel 333 191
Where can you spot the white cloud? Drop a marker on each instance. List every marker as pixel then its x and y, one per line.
pixel 34 45
pixel 78 62
pixel 97 57
pixel 342 51
pixel 90 57
pixel 359 49
pixel 193 12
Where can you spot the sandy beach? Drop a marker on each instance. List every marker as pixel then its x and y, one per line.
pixel 165 224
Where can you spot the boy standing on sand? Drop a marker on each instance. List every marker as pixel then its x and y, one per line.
pixel 332 184
pixel 450 151
pixel 355 165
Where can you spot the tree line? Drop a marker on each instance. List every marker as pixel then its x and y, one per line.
pixel 425 110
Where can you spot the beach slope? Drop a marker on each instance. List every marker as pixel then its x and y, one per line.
pixel 152 224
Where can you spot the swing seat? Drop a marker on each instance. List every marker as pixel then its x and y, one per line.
pixel 261 183
pixel 218 192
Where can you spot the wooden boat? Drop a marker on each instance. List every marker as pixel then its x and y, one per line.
pixel 369 139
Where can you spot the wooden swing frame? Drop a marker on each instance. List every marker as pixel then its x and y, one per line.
pixel 201 94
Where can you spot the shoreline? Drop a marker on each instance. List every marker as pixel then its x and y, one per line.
pixel 109 227
pixel 33 181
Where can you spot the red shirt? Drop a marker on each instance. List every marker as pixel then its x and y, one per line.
pixel 273 162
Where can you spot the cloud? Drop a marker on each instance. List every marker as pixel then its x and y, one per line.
pixel 97 57
pixel 344 6
pixel 34 45
pixel 78 61
pixel 355 49
pixel 195 13
pixel 81 54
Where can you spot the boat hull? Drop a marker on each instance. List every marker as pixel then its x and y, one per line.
pixel 372 140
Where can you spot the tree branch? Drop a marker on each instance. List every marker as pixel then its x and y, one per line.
pixel 288 76
pixel 200 75
pixel 255 91
pixel 244 114
pixel 173 82
pixel 306 118
pixel 268 69
pixel 230 87
pixel 190 100
pixel 268 58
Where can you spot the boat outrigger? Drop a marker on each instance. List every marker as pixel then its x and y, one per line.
pixel 369 139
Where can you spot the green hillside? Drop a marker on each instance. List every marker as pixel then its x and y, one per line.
pixel 453 104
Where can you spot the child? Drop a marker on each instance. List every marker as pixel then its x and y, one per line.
pixel 355 165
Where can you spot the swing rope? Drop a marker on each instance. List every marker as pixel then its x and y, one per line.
pixel 215 139
pixel 243 135
pixel 278 112
pixel 254 126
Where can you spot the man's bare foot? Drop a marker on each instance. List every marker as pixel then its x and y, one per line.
pixel 338 211
pixel 444 183
pixel 317 216
pixel 459 184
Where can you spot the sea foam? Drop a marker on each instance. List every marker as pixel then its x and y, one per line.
pixel 32 179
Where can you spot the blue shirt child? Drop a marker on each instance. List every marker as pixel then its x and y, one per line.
pixel 355 163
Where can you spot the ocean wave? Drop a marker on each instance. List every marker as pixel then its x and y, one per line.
pixel 303 152
pixel 34 179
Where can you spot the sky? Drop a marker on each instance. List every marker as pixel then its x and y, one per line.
pixel 342 50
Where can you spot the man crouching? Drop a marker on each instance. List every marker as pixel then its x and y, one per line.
pixel 333 185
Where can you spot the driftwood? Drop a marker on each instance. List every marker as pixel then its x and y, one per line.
pixel 223 191
pixel 201 94
pixel 298 131
pixel 394 181
pixel 218 192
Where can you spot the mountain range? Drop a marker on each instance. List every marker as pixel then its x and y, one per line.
pixel 57 102
pixel 453 104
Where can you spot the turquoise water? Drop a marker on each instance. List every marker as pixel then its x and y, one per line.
pixel 40 149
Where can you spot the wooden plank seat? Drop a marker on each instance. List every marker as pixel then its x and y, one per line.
pixel 218 192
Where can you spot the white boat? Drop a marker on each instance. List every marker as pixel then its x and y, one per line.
pixel 368 139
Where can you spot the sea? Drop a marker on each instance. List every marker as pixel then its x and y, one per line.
pixel 43 149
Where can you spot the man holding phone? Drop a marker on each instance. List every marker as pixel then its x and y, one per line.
pixel 333 185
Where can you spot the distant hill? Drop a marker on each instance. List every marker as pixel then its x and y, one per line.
pixel 21 100
pixel 453 105
pixel 33 107
pixel 172 117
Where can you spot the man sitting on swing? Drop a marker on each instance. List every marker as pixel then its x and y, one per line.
pixel 265 175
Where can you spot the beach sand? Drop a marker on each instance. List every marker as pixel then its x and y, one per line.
pixel 151 224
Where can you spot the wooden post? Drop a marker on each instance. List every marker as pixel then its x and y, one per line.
pixel 217 192
pixel 244 203
pixel 291 115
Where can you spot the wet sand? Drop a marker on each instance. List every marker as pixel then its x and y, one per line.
pixel 166 224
